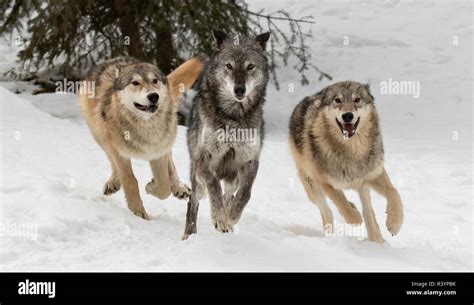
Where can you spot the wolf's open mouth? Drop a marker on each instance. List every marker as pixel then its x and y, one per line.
pixel 348 129
pixel 149 108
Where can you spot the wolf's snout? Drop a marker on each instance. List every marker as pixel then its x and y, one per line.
pixel 239 91
pixel 153 97
pixel 347 117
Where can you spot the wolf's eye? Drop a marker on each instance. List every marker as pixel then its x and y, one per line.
pixel 155 81
pixel 250 67
pixel 337 100
pixel 135 83
pixel 228 66
pixel 357 100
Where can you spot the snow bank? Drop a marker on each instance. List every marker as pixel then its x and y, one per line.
pixel 53 173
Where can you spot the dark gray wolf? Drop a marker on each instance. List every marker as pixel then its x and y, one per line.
pixel 225 129
pixel 336 143
pixel 133 114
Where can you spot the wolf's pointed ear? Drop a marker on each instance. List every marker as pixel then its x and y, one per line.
pixel 219 37
pixel 262 39
pixel 367 89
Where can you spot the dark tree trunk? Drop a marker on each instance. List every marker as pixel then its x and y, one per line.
pixel 129 27
pixel 165 51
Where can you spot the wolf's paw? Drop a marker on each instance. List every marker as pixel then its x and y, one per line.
pixel 394 221
pixel 181 190
pixel 189 230
pixel 220 220
pixel 111 186
pixel 232 216
pixel 352 215
pixel 153 188
pixel 141 213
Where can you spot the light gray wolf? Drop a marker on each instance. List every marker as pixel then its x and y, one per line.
pixel 133 114
pixel 229 99
pixel 336 142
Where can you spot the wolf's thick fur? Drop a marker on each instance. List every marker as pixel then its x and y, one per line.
pixel 230 95
pixel 126 124
pixel 331 155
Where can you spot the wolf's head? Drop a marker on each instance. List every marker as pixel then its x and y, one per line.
pixel 141 88
pixel 239 69
pixel 348 105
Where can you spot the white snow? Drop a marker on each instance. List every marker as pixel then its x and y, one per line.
pixel 52 171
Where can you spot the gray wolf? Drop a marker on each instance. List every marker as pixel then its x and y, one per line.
pixel 336 142
pixel 133 114
pixel 228 102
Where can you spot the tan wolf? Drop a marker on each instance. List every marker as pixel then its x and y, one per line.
pixel 336 143
pixel 133 114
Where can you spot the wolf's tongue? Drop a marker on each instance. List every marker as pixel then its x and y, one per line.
pixel 348 127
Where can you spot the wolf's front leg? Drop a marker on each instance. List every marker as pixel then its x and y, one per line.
pixel 113 183
pixel 129 184
pixel 347 209
pixel 191 217
pixel 383 186
pixel 236 205
pixel 373 230
pixel 159 186
pixel 193 205
pixel 213 185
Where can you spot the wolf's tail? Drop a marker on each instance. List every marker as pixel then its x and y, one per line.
pixel 183 77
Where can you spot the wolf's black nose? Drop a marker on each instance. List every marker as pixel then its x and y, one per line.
pixel 347 117
pixel 239 91
pixel 153 97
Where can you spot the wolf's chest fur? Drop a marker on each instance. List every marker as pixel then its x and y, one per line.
pixel 230 150
pixel 351 173
pixel 147 139
pixel 348 165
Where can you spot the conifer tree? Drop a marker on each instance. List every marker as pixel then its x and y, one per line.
pixel 77 34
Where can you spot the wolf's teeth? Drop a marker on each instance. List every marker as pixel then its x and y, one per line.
pixel 345 135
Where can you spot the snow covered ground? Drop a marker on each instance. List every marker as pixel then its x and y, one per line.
pixel 52 171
